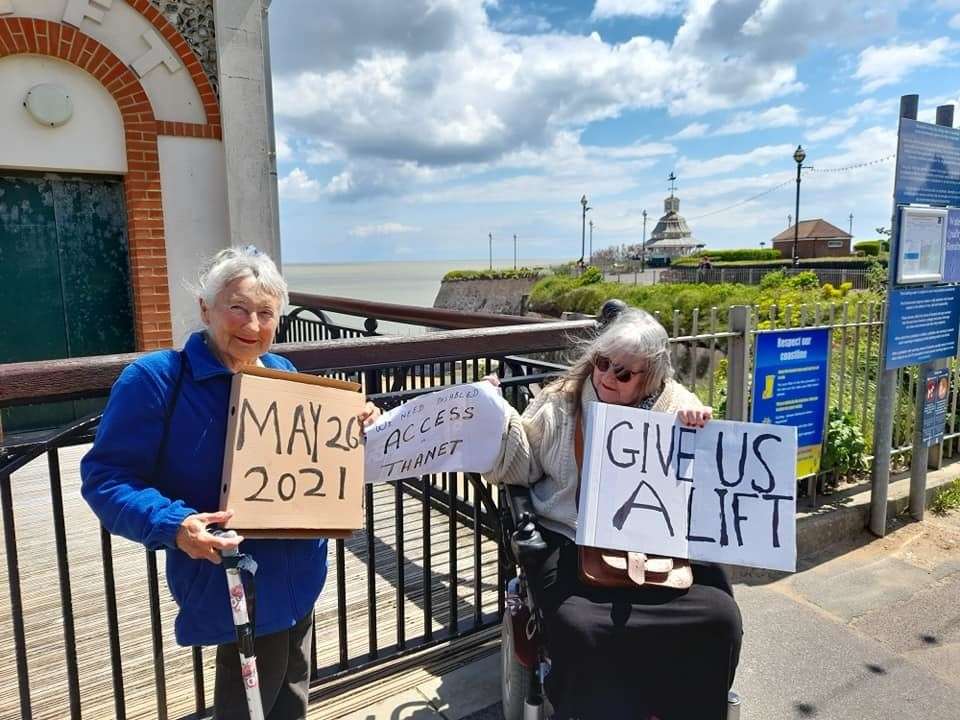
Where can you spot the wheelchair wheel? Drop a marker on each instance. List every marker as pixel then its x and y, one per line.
pixel 513 675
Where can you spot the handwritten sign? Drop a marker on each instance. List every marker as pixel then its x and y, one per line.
pixel 724 493
pixel 294 455
pixel 458 429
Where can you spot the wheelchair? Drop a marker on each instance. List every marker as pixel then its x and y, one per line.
pixel 524 662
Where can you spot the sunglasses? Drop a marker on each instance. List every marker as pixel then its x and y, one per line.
pixel 622 374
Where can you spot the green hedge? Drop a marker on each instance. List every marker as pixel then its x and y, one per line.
pixel 872 248
pixel 729 256
pixel 557 294
pixel 519 273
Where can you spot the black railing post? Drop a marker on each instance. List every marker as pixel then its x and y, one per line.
pixel 16 601
pixel 113 624
pixel 66 595
pixel 156 634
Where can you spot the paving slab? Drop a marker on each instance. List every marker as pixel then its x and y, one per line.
pixel 800 663
pixel 847 590
pixel 407 705
pixel 465 691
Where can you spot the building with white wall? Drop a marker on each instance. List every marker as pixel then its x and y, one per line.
pixel 134 142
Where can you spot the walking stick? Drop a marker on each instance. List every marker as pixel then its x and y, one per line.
pixel 234 562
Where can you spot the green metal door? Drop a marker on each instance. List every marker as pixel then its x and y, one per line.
pixel 64 279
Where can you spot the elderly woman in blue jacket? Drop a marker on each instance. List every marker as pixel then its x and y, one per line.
pixel 153 476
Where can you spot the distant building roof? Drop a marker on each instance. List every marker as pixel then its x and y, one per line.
pixel 818 229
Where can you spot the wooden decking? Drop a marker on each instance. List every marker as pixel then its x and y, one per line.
pixel 44 621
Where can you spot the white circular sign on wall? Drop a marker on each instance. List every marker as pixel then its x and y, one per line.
pixel 49 104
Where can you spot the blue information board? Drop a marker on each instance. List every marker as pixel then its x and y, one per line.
pixel 936 391
pixel 790 387
pixel 928 164
pixel 922 325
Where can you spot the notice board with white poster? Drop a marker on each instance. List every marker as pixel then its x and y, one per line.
pixel 922 244
pixel 723 493
pixel 293 462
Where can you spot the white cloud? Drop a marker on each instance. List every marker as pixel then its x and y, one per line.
pixel 387 228
pixel 888 64
pixel 744 122
pixel 631 152
pixel 763 155
pixel 824 129
pixel 955 22
pixel 284 152
pixel 470 95
pixel 693 130
pixel 606 9
pixel 299 186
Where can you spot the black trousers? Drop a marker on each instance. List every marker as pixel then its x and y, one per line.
pixel 640 652
pixel 283 664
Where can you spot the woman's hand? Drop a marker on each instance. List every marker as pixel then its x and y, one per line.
pixel 493 379
pixel 695 417
pixel 198 542
pixel 371 413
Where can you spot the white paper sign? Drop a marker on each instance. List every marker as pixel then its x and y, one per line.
pixel 458 429
pixel 725 493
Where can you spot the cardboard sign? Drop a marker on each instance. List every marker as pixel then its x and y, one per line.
pixel 293 465
pixel 725 493
pixel 458 429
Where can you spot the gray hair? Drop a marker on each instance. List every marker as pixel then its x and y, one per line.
pixel 634 333
pixel 234 263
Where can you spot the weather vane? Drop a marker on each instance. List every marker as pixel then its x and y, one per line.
pixel 673 183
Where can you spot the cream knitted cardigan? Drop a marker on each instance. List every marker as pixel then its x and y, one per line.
pixel 537 451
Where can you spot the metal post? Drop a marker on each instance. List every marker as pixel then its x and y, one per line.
pixel 799 157
pixel 591 242
pixel 643 245
pixel 583 228
pixel 920 458
pixel 490 235
pixel 886 387
pixel 738 363
pixel 514 251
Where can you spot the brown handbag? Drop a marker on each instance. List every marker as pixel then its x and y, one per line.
pixel 600 567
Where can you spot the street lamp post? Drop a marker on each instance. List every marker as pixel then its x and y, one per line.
pixel 490 235
pixel 583 228
pixel 591 242
pixel 514 251
pixel 643 245
pixel 799 156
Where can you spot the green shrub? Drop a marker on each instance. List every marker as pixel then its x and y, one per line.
pixel 871 248
pixel 806 280
pixel 773 279
pixel 735 255
pixel 946 499
pixel 590 276
pixel 845 451
pixel 455 275
pixel 877 277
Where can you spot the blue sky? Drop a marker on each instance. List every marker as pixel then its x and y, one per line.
pixel 410 129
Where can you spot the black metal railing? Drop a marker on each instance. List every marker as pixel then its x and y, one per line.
pixel 425 570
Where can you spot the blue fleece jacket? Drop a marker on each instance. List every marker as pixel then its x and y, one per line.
pixel 122 487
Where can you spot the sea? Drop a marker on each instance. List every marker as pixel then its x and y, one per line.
pixel 400 282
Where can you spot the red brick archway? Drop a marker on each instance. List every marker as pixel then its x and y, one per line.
pixel 145 226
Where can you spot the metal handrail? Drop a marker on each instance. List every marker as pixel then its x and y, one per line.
pixel 409 314
pixel 74 378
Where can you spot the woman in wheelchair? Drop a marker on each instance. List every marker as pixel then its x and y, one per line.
pixel 656 641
